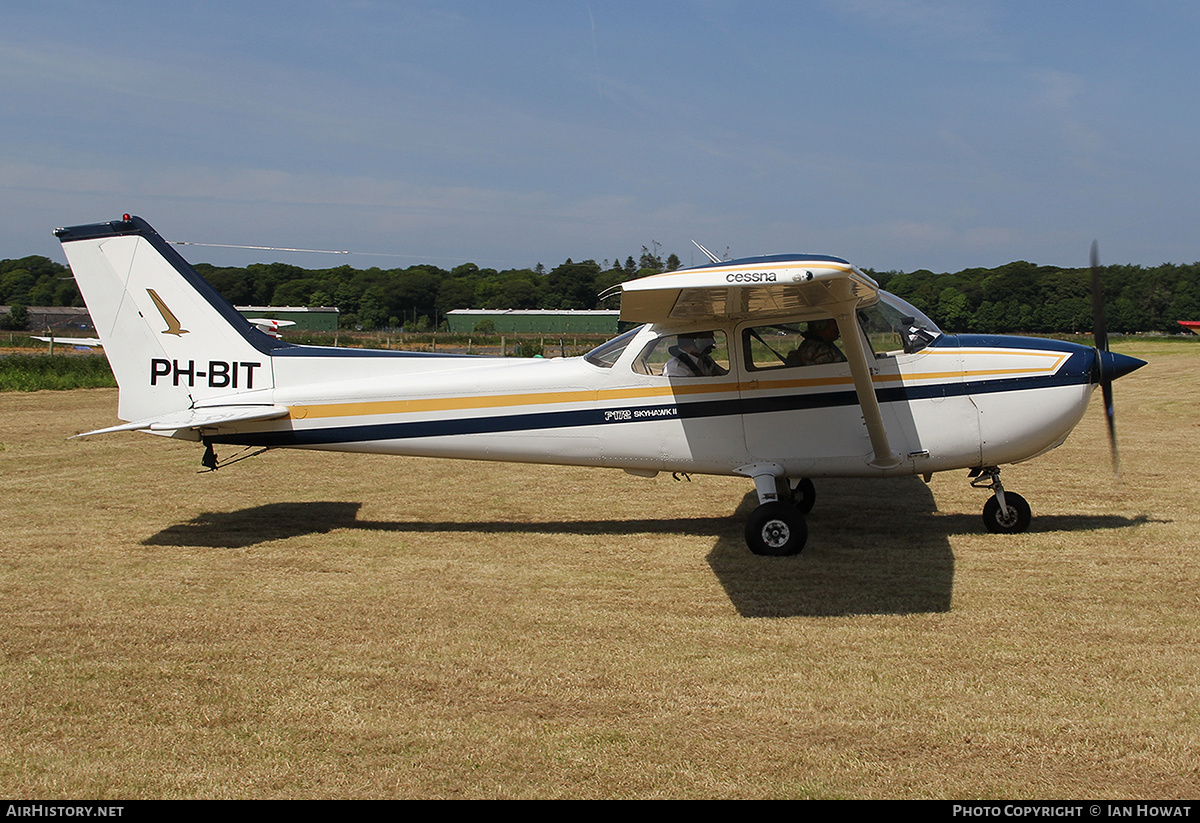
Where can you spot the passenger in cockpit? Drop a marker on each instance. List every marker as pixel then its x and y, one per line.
pixel 818 347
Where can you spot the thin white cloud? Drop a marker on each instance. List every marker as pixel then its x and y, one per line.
pixel 965 27
pixel 1056 100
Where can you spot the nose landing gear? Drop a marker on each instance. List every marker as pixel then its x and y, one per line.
pixel 1004 512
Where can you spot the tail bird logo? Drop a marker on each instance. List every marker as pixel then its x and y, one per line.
pixel 173 326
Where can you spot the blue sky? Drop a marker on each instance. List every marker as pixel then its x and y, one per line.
pixel 899 134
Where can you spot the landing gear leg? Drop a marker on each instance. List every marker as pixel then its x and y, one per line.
pixel 209 460
pixel 804 495
pixel 1004 512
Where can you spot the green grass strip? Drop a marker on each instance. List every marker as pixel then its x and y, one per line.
pixel 36 372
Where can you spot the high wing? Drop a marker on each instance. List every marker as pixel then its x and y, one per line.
pixel 782 286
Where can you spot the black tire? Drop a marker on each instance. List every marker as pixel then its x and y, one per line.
pixel 804 495
pixel 1018 517
pixel 776 529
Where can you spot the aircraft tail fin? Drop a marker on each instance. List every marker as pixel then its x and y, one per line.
pixel 171 339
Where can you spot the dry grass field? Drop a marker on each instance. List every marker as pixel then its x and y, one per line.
pixel 324 625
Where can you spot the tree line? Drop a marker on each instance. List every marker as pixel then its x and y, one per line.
pixel 1023 297
pixel 1014 298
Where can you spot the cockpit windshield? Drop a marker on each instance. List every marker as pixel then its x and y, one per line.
pixel 894 325
pixel 608 353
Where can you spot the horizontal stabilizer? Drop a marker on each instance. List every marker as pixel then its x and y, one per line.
pixel 197 419
pixel 90 342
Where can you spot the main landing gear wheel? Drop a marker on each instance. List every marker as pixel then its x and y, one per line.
pixel 1014 521
pixel 804 495
pixel 776 529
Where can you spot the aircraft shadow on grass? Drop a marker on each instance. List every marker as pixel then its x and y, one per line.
pixel 277 521
pixel 880 548
pixel 876 550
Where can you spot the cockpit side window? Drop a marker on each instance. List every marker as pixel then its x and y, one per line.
pixel 692 354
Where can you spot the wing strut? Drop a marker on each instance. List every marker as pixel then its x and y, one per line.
pixel 860 369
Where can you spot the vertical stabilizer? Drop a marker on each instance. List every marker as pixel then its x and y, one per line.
pixel 171 339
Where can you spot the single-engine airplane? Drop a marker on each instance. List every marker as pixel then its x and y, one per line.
pixel 268 326
pixel 734 372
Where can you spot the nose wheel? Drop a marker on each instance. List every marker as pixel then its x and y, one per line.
pixel 1004 512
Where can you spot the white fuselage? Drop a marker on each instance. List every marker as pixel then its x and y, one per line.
pixel 960 403
pixel 779 402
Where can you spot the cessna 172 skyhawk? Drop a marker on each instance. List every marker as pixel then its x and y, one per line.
pixel 902 399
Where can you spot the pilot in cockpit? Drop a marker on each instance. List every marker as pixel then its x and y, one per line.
pixel 691 357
